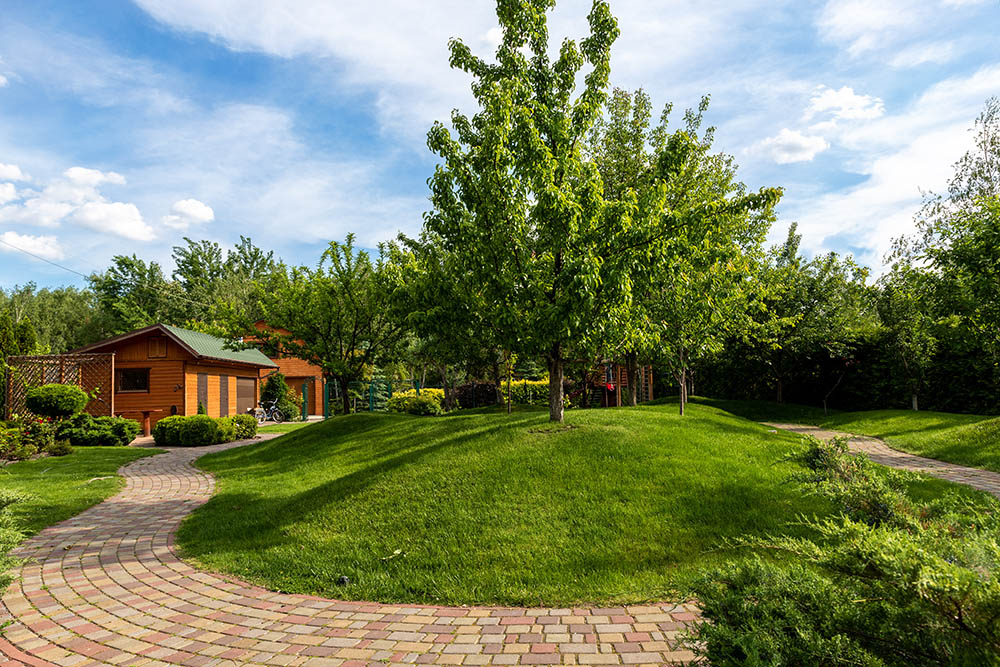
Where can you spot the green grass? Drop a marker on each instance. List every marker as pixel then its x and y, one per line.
pixel 478 507
pixel 63 486
pixel 970 440
pixel 285 427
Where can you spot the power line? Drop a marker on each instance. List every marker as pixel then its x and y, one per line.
pixel 86 277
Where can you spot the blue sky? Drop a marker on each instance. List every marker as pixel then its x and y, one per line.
pixel 125 126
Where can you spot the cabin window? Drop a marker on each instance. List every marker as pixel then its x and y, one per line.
pixel 131 380
pixel 157 347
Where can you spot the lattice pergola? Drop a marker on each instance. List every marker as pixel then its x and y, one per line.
pixel 88 371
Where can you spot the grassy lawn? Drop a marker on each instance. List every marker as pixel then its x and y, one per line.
pixel 286 427
pixel 970 440
pixel 63 486
pixel 619 506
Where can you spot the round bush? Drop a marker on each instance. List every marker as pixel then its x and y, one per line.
pixel 56 400
pixel 167 432
pixel 246 426
pixel 226 429
pixel 198 430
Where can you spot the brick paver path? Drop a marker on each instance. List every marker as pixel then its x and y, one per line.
pixel 106 587
pixel 878 451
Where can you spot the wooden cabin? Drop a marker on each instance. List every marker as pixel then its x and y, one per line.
pixel 164 370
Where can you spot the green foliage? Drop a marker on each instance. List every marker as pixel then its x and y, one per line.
pixel 56 401
pixel 276 389
pixel 201 430
pixel 339 316
pixel 167 431
pixel 10 534
pixel 201 408
pixel 246 426
pixel 83 430
pixel 13 447
pixel 427 402
pixel 198 430
pixel 527 392
pixel 858 591
pixel 60 448
pixel 37 433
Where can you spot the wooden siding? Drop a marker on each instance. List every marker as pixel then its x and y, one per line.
pixel 215 375
pixel 166 390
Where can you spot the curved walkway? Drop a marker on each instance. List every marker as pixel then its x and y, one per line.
pixel 106 587
pixel 879 452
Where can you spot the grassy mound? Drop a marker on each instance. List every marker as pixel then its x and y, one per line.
pixel 63 486
pixel 618 505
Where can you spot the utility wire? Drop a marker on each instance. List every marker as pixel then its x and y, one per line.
pixel 86 277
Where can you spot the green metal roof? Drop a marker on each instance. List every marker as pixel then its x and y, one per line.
pixel 205 345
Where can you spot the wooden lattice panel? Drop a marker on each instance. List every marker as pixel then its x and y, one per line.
pixel 90 372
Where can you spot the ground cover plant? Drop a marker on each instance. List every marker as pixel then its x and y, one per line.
pixel 885 581
pixel 60 487
pixel 477 507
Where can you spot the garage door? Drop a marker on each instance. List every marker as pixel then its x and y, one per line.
pixel 246 389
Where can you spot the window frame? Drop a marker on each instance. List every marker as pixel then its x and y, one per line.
pixel 120 372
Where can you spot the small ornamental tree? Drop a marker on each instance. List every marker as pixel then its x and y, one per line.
pixel 56 401
pixel 540 249
pixel 340 316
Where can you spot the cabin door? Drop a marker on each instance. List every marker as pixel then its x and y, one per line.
pixel 246 399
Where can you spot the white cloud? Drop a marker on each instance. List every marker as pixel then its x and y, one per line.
pixel 899 156
pixel 11 172
pixel 843 104
pixel 186 212
pixel 864 25
pixel 3 81
pixel 76 198
pixel 114 218
pixel 928 52
pixel 792 146
pixel 47 247
pixel 8 193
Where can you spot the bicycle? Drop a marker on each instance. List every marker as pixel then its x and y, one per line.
pixel 269 412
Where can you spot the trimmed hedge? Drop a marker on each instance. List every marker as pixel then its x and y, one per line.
pixel 56 400
pixel 83 430
pixel 201 430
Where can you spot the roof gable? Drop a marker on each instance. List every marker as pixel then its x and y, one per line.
pixel 200 345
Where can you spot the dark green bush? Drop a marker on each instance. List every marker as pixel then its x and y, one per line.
pixel 167 431
pixel 56 400
pixel 277 389
pixel 886 581
pixel 37 433
pixel 198 430
pixel 226 429
pixel 246 426
pixel 83 430
pixel 60 448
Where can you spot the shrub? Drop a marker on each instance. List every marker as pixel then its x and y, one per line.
pixel 427 402
pixel 246 426
pixel 201 408
pixel 886 581
pixel 56 400
pixel 198 430
pixel 167 431
pixel 226 429
pixel 13 447
pixel 83 430
pixel 36 433
pixel 276 389
pixel 10 536
pixel 60 448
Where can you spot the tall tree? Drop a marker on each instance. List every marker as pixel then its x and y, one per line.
pixel 906 315
pixel 340 316
pixel 135 294
pixel 545 253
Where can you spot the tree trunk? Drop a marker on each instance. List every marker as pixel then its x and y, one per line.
pixel 344 396
pixel 915 408
pixel 443 370
pixel 555 384
pixel 682 383
pixel 780 397
pixel 631 372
